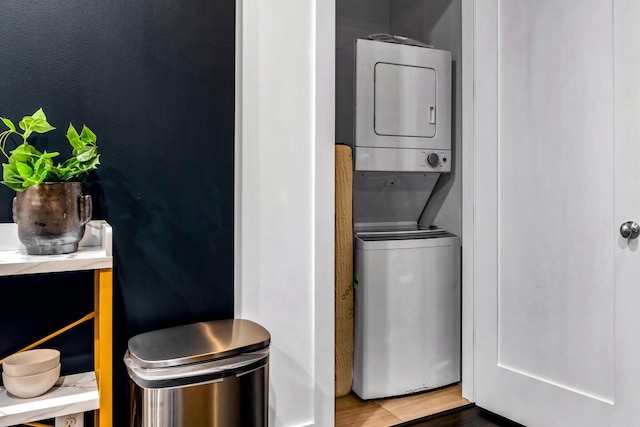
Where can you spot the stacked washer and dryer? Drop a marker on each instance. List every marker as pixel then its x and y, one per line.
pixel 397 119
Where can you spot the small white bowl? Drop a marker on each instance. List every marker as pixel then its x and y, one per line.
pixel 31 362
pixel 31 385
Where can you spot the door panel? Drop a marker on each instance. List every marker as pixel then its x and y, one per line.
pixel 557 108
pixel 555 306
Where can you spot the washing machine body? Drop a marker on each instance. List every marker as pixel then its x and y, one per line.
pixel 407 312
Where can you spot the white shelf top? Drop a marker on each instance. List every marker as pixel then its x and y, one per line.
pixel 71 395
pixel 94 252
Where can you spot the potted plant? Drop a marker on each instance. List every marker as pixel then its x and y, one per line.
pixel 50 207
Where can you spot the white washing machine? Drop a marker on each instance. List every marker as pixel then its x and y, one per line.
pixel 407 312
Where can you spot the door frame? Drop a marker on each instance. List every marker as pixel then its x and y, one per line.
pixel 468 198
pixel 284 198
pixel 249 57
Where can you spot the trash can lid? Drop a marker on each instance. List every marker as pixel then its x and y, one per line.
pixel 197 342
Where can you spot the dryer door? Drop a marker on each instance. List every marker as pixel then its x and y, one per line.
pixel 397 109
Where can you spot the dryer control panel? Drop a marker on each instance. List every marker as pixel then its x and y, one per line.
pixel 402 160
pixel 437 161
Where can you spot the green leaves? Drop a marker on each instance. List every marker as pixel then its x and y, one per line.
pixel 87 135
pixel 11 177
pixel 85 153
pixel 34 123
pixel 9 124
pixel 73 137
pixel 23 153
pixel 24 170
pixel 27 166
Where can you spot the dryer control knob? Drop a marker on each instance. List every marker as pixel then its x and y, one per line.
pixel 433 159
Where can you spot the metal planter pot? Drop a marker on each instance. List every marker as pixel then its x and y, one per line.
pixel 51 217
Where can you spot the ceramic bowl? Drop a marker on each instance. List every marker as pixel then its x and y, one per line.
pixel 31 385
pixel 31 362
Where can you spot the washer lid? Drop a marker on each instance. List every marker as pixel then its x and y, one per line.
pixel 403 234
pixel 436 240
pixel 197 342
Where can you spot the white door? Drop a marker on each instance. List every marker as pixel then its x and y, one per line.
pixel 556 173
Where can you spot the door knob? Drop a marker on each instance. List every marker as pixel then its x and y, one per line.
pixel 630 230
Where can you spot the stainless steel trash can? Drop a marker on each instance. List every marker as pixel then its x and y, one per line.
pixel 207 374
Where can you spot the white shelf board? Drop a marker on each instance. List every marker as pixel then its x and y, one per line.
pixel 72 394
pixel 94 252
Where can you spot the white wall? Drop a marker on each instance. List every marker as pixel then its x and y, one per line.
pixel 406 18
pixel 284 198
pixel 438 23
pixel 358 18
pixel 445 205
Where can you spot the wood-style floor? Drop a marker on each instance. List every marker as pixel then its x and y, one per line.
pixel 352 411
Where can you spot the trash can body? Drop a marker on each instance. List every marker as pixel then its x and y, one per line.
pixel 209 374
pixel 235 401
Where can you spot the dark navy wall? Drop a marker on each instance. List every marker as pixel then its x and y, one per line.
pixel 154 80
